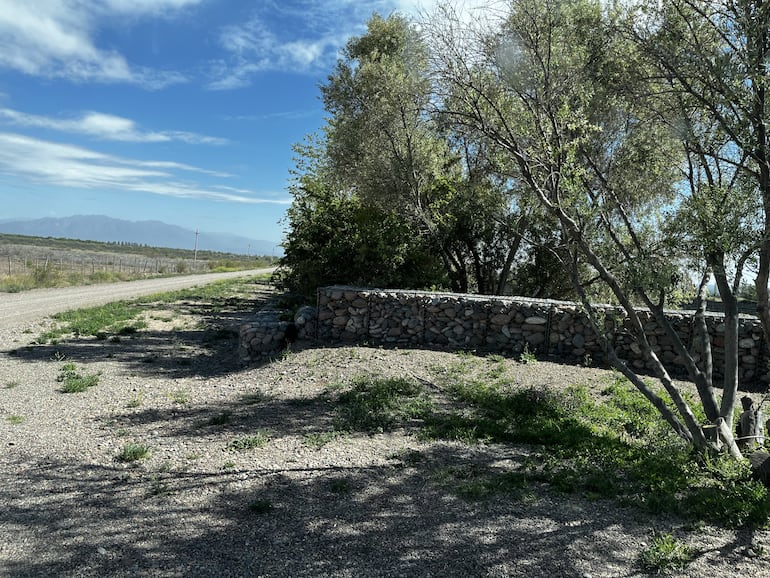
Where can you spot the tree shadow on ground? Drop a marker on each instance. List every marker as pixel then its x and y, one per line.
pixel 208 350
pixel 388 520
pixel 443 509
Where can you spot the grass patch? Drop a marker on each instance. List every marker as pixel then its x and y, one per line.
pixel 246 443
pixel 340 486
pixel 320 439
pixel 114 317
pixel 376 405
pixel 11 384
pixel 73 381
pixel 180 396
pixel 615 447
pixel 15 419
pixel 133 452
pixel 474 482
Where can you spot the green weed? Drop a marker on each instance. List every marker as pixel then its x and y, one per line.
pixel 220 419
pixel 132 452
pixel 14 419
pixel 527 357
pixel 665 553
pixel 74 382
pixel 255 397
pixel 319 440
pixel 242 444
pixel 180 396
pixel 114 317
pixel 339 486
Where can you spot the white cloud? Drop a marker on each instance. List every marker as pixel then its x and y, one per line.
pixel 55 39
pixel 106 127
pixel 301 37
pixel 305 36
pixel 66 165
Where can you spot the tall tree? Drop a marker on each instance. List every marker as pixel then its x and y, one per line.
pixel 714 56
pixel 562 95
pixel 384 145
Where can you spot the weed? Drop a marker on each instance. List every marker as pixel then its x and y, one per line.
pixel 11 384
pixel 228 465
pixel 132 452
pixel 527 357
pixel 242 444
pixel 159 488
pixel 179 396
pixel 15 419
pixel 665 553
pixel 74 382
pixel 319 440
pixel 135 401
pixel 407 457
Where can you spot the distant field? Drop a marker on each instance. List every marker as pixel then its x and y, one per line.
pixel 34 262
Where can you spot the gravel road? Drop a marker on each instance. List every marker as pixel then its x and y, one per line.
pixel 28 306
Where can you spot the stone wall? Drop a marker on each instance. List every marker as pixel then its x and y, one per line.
pixel 270 331
pixel 511 325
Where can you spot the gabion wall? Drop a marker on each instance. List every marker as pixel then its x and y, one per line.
pixel 512 325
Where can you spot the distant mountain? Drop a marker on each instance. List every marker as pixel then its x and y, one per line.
pixel 152 233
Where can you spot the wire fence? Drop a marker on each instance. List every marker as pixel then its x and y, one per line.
pixel 13 265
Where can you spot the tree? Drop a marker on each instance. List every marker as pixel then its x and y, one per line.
pixel 566 98
pixel 336 238
pixel 384 146
pixel 714 55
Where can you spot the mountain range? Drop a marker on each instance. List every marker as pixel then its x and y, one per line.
pixel 152 233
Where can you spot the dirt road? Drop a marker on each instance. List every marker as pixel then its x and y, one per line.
pixel 28 306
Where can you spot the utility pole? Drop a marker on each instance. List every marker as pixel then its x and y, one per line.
pixel 195 253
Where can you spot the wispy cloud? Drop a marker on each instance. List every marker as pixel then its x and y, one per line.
pixel 105 127
pixel 304 36
pixel 56 39
pixel 66 165
pixel 301 37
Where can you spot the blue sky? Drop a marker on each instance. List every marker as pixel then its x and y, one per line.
pixel 182 111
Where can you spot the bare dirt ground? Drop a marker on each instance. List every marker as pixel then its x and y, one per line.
pixel 359 505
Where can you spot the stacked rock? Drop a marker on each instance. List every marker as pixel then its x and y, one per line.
pixel 512 324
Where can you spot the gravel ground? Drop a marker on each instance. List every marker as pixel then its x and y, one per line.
pixel 360 505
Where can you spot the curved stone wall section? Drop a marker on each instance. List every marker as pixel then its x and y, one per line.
pixel 511 324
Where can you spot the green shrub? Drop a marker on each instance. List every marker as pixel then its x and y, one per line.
pixel 665 553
